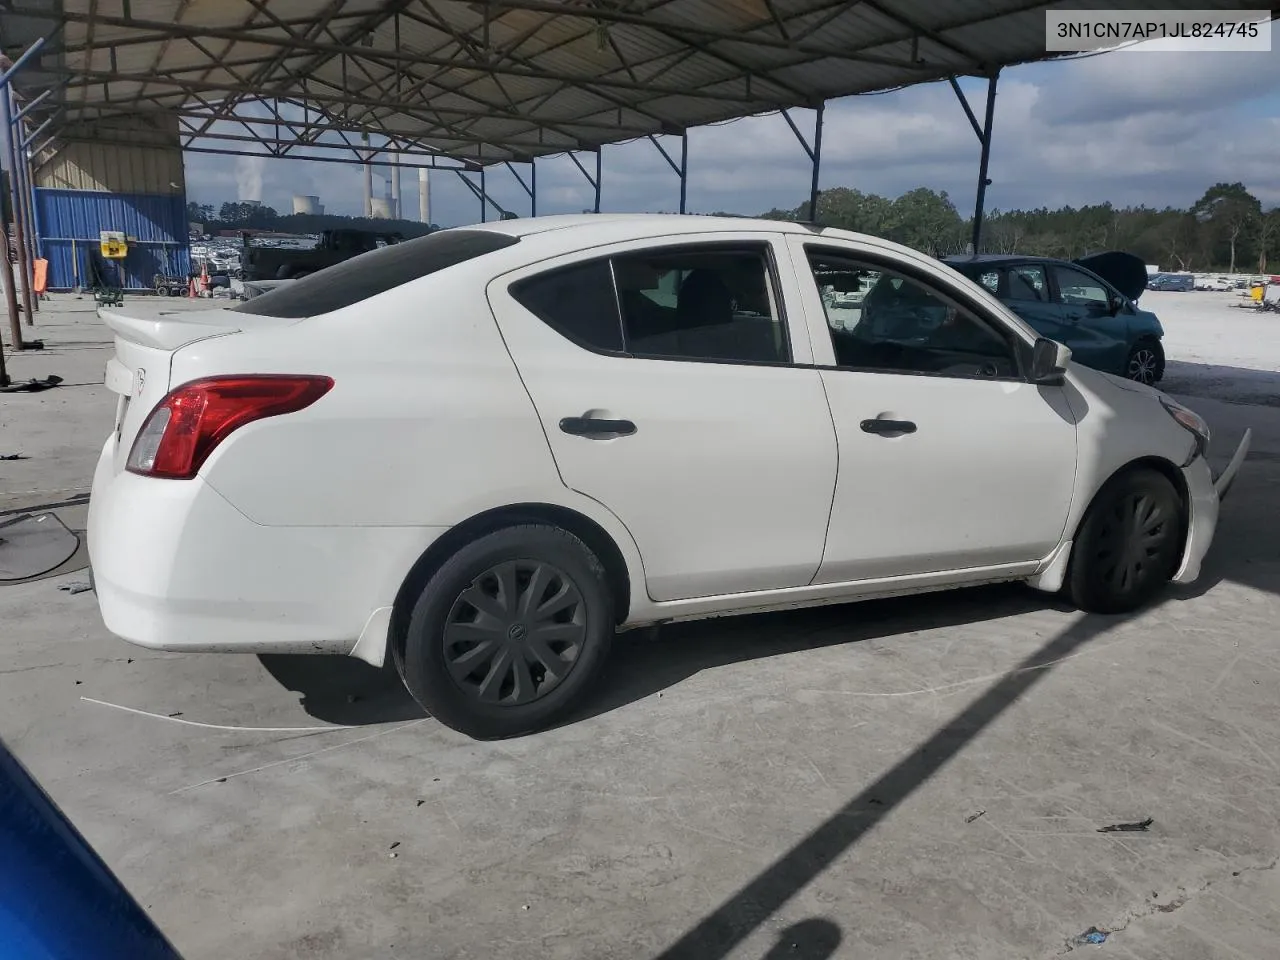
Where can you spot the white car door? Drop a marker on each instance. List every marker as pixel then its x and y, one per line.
pixel 674 383
pixel 949 459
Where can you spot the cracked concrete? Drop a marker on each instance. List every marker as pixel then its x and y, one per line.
pixel 794 785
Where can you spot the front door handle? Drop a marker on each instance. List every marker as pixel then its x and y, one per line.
pixel 888 428
pixel 596 428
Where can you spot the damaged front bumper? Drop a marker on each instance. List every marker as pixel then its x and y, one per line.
pixel 1222 483
pixel 1204 495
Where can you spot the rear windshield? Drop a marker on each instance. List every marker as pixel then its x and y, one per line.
pixel 374 272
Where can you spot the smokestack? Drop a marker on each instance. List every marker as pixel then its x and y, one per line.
pixel 395 190
pixel 424 196
pixel 368 180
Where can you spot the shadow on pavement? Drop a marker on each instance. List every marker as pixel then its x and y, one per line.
pixel 735 919
pixel 814 939
pixel 1238 385
pixel 344 690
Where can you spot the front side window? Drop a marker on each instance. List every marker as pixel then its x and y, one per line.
pixel 1079 289
pixel 904 326
pixel 700 304
pixel 990 279
pixel 1027 282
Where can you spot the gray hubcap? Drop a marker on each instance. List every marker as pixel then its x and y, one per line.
pixel 1133 542
pixel 514 634
pixel 1143 365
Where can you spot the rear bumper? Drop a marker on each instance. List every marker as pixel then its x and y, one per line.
pixel 177 567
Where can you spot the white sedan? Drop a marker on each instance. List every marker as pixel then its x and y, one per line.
pixel 485 451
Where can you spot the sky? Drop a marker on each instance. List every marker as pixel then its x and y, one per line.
pixel 1129 127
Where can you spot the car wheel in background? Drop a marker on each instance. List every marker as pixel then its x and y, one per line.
pixel 1129 545
pixel 510 633
pixel 1145 362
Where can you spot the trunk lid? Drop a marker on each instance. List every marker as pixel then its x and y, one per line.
pixel 1124 271
pixel 146 339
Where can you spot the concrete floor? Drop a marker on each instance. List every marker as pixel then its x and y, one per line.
pixel 917 778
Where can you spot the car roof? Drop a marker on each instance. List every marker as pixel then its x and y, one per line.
pixel 996 258
pixel 645 222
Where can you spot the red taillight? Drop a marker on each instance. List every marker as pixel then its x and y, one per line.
pixel 180 433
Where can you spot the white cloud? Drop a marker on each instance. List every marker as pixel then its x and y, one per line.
pixel 1149 128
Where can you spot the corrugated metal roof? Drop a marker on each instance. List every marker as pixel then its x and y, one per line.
pixel 503 79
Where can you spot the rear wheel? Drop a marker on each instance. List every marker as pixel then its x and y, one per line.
pixel 1129 544
pixel 1145 362
pixel 510 633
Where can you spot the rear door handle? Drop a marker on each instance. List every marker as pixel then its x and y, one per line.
pixel 596 428
pixel 888 427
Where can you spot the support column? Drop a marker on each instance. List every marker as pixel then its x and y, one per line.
pixel 528 187
pixel 368 178
pixel 15 199
pixel 11 297
pixel 594 181
pixel 424 196
pixel 31 221
pixel 814 152
pixel 681 168
pixel 395 187
pixel 983 132
pixel 484 199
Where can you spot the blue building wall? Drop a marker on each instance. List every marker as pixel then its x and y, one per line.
pixel 68 220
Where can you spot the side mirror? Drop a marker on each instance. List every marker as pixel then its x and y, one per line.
pixel 1049 361
pixel 1115 305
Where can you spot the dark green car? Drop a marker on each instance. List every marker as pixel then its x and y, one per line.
pixel 1091 305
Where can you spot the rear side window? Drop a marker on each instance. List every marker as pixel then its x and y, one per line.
pixel 577 302
pixel 374 272
pixel 706 302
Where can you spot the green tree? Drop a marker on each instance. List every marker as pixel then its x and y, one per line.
pixel 927 221
pixel 199 212
pixel 1268 230
pixel 1230 212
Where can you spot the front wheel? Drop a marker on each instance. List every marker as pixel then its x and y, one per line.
pixel 510 633
pixel 1145 362
pixel 1129 544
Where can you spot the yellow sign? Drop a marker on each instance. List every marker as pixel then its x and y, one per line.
pixel 113 244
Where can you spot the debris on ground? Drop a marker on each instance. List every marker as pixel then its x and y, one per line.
pixel 175 714
pixel 975 816
pixel 394 845
pixel 421 802
pixel 14 456
pixel 1139 827
pixel 33 385
pixel 76 586
pixel 1091 937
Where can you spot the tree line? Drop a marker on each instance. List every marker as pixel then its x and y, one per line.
pixel 254 216
pixel 1226 229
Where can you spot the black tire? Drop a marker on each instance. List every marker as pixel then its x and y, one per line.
pixel 514 703
pixel 1111 571
pixel 1145 362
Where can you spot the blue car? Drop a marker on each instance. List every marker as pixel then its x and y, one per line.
pixel 1091 305
pixel 1172 281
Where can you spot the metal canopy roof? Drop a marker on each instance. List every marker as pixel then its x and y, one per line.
pixel 483 82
